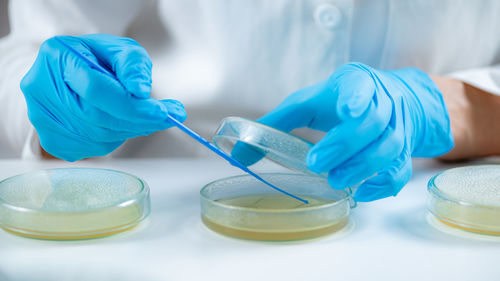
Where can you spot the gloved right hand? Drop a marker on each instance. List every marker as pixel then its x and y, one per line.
pixel 79 112
pixel 375 122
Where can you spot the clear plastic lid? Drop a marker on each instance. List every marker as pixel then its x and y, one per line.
pixel 249 141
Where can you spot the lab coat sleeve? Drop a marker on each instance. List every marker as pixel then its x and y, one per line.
pixel 32 22
pixel 487 78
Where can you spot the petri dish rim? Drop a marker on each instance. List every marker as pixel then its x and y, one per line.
pixel 265 148
pixel 250 209
pixel 140 195
pixel 434 190
pixel 266 127
pixel 299 141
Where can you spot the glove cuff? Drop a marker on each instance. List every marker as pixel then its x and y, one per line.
pixel 433 136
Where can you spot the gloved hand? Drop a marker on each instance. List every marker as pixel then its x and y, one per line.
pixel 376 121
pixel 80 112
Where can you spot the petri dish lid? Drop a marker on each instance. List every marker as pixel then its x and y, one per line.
pixel 72 203
pixel 467 198
pixel 249 142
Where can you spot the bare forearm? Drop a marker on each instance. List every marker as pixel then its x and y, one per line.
pixel 475 119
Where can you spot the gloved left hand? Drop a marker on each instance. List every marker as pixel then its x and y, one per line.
pixel 80 112
pixel 376 121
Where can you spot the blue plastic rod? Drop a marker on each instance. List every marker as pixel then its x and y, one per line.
pixel 185 129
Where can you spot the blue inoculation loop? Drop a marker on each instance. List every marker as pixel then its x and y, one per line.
pixel 229 158
pixel 184 128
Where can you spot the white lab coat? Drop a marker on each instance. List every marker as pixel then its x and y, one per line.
pixel 223 57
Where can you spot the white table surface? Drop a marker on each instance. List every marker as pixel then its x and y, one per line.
pixel 390 239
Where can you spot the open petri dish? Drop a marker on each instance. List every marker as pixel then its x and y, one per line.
pixel 467 198
pixel 243 207
pixel 72 203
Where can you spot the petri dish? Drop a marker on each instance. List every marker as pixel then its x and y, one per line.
pixel 243 207
pixel 72 203
pixel 467 198
pixel 249 142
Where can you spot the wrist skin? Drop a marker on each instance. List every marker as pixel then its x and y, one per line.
pixel 474 119
pixel 45 154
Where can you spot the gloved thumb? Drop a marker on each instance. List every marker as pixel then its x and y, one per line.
pixel 298 110
pixel 294 112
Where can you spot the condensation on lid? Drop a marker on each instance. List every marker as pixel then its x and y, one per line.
pixel 473 184
pixel 249 142
pixel 69 189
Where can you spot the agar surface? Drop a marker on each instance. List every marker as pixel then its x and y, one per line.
pixel 478 185
pixel 274 217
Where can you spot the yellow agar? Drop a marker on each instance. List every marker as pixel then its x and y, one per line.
pixel 69 236
pixel 478 220
pixel 74 226
pixel 468 228
pixel 271 201
pixel 268 218
pixel 276 235
pixel 482 220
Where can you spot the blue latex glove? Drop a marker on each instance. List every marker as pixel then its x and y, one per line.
pixel 376 121
pixel 80 112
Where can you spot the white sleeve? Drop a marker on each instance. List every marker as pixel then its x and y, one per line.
pixel 487 78
pixel 31 23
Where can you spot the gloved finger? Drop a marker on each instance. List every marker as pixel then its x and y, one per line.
pixel 175 109
pixel 355 85
pixel 349 137
pixel 247 154
pixel 99 127
pixel 71 124
pixel 128 60
pixel 108 95
pixel 114 133
pixel 103 135
pixel 70 146
pixel 388 182
pixel 94 117
pixel 372 159
pixel 300 109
